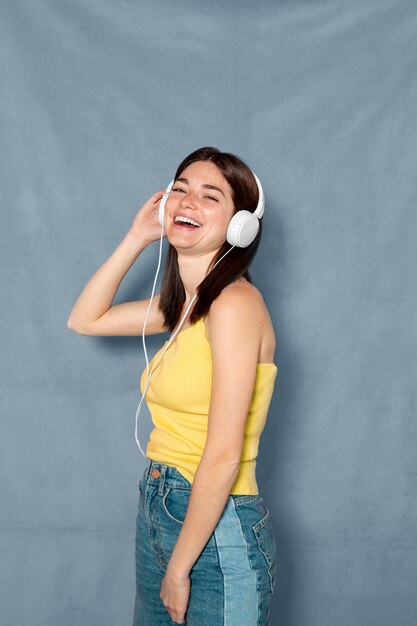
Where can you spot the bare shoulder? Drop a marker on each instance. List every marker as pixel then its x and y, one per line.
pixel 242 303
pixel 239 297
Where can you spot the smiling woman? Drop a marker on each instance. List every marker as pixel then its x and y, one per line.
pixel 200 518
pixel 209 187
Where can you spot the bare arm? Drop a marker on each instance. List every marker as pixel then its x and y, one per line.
pixel 93 313
pixel 234 372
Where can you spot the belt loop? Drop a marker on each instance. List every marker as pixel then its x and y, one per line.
pixel 149 467
pixel 162 480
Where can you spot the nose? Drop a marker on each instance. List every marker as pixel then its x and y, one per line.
pixel 187 199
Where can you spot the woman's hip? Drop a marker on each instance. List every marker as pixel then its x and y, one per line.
pixel 235 572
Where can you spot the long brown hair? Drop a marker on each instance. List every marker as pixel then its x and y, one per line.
pixel 235 265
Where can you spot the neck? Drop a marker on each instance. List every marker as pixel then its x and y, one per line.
pixel 193 270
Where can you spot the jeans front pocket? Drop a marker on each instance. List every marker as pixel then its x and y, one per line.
pixel 175 503
pixel 265 536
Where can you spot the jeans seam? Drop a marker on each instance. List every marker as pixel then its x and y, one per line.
pixel 257 573
pixel 220 567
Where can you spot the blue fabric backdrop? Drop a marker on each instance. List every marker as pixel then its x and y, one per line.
pixel 99 103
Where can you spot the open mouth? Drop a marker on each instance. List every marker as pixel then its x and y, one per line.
pixel 185 225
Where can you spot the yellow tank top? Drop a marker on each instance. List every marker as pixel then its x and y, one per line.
pixel 178 399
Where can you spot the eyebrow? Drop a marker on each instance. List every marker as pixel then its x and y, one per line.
pixel 206 186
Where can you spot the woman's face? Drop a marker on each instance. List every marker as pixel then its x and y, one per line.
pixel 203 194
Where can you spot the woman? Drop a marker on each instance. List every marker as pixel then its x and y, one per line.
pixel 205 544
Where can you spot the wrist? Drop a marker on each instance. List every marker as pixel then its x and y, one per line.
pixel 176 572
pixel 136 238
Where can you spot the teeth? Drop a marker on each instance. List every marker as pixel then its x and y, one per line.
pixel 187 220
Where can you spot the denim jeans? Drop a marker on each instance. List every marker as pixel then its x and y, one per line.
pixel 233 579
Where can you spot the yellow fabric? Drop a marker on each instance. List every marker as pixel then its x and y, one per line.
pixel 178 398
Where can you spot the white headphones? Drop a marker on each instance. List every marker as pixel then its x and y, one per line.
pixel 242 230
pixel 244 225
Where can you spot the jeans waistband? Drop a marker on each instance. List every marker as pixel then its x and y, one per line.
pixel 160 474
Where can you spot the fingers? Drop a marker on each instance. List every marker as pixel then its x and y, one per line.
pixel 177 616
pixel 157 196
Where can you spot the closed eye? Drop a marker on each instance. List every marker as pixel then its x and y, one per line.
pixel 210 197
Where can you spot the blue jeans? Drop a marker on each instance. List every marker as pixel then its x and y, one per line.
pixel 232 580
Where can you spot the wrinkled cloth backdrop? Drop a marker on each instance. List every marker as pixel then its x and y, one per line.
pixel 99 103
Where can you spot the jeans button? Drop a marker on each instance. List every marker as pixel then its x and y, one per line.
pixel 155 473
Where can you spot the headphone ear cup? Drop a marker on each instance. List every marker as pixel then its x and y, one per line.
pixel 161 215
pixel 242 229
